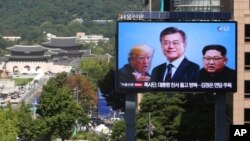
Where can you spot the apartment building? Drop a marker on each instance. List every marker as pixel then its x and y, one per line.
pixel 241 105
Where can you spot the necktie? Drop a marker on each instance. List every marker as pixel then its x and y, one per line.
pixel 169 73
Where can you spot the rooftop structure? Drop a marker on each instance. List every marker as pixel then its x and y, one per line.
pixel 26 53
pixel 11 38
pixel 83 38
pixel 69 45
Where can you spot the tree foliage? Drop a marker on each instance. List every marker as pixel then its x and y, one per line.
pixel 198 118
pixel 87 96
pixel 177 116
pixel 58 108
pixel 118 132
pixel 95 69
pixel 8 122
pixel 60 14
pixel 24 122
pixel 166 111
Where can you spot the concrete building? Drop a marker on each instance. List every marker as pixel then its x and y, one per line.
pixel 83 38
pixel 239 11
pixel 11 38
pixel 31 60
pixel 241 105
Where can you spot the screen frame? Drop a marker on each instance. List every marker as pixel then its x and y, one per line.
pixel 140 89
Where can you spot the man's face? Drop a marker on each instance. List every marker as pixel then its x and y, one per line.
pixel 141 62
pixel 173 46
pixel 213 61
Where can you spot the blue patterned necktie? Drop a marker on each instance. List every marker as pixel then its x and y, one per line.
pixel 169 73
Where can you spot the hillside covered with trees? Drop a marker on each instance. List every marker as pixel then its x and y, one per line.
pixel 30 19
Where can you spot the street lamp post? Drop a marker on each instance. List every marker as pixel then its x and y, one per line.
pixel 76 90
pixel 1 89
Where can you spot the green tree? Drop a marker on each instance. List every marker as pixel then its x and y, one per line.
pixel 166 111
pixel 59 108
pixel 35 13
pixel 199 115
pixel 95 69
pixel 118 131
pixel 83 92
pixel 24 122
pixel 8 122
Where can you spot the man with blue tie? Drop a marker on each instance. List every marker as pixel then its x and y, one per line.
pixel 177 67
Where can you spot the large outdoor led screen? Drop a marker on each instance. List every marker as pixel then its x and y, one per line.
pixel 176 56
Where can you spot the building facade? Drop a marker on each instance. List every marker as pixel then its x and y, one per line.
pixel 241 105
pixel 57 55
pixel 83 38
pixel 189 5
pixel 240 12
pixel 32 59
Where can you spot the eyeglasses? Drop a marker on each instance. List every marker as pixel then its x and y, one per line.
pixel 168 43
pixel 215 59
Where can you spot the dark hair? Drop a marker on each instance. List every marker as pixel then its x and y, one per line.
pixel 219 48
pixel 172 30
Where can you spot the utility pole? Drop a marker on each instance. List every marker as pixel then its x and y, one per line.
pixel 76 90
pixel 150 127
pixel 150 5
pixel 149 130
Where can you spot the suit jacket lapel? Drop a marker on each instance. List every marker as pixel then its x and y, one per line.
pixel 180 70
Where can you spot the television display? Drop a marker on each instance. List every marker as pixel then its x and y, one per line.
pixel 176 56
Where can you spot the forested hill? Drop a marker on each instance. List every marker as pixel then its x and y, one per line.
pixel 16 16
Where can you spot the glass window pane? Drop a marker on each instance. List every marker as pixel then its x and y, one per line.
pixel 247 61
pixel 247 32
pixel 247 115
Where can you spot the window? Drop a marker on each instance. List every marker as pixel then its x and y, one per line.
pixel 247 61
pixel 247 89
pixel 247 32
pixel 247 116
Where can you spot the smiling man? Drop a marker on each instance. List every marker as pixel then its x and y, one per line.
pixel 215 69
pixel 177 67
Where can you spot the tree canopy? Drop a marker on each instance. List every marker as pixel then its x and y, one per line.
pixel 58 108
pixel 31 18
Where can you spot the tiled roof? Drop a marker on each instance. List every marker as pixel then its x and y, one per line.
pixel 62 42
pixel 3 59
pixel 27 57
pixel 26 48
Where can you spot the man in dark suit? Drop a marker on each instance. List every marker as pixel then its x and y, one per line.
pixel 177 67
pixel 139 62
pixel 215 69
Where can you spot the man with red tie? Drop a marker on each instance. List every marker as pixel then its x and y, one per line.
pixel 139 62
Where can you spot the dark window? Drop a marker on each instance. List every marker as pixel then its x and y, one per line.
pixel 167 5
pixel 247 32
pixel 247 89
pixel 247 116
pixel 247 60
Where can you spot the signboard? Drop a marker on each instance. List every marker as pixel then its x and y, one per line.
pixel 35 101
pixel 192 48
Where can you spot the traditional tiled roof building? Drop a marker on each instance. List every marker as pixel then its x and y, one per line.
pixel 51 57
pixel 67 44
pixel 27 53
